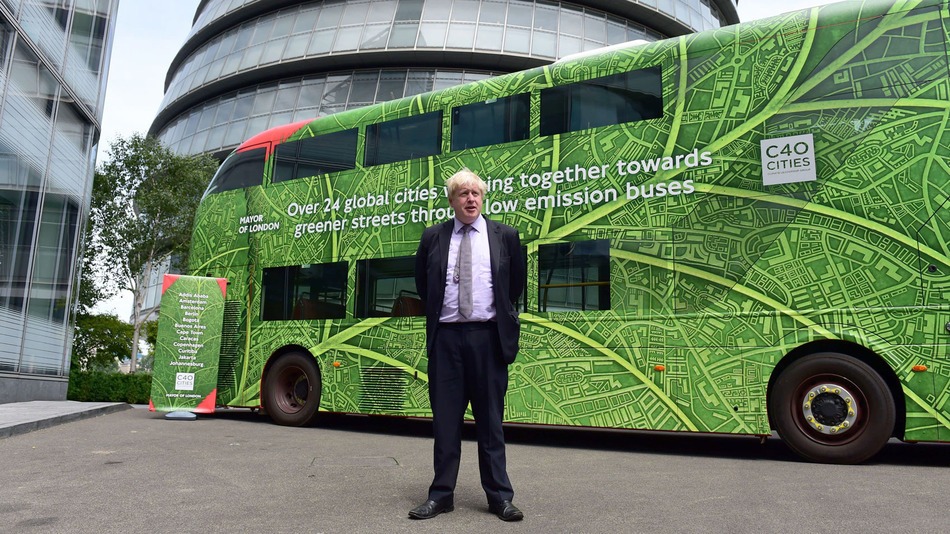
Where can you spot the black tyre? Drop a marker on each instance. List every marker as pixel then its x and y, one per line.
pixel 291 394
pixel 832 408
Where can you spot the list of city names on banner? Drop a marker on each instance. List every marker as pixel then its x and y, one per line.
pixel 189 340
pixel 190 331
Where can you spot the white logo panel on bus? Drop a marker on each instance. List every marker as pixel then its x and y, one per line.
pixel 787 160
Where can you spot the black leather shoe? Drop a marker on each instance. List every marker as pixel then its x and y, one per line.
pixel 430 509
pixel 506 511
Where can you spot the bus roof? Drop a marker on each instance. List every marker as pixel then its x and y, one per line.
pixel 275 135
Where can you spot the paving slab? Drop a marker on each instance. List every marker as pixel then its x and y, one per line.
pixel 21 417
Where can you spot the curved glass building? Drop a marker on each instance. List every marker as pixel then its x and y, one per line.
pixel 248 65
pixel 53 65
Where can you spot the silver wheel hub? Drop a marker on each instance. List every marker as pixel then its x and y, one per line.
pixel 829 409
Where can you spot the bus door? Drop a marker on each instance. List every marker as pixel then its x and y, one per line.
pixel 225 226
pixel 720 244
pixel 933 262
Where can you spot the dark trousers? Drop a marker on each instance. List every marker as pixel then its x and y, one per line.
pixel 466 366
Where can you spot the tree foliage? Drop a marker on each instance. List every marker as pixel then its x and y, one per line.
pixel 143 207
pixel 101 341
pixel 151 339
pixel 151 334
pixel 91 291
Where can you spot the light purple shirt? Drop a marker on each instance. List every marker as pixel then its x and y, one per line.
pixel 483 300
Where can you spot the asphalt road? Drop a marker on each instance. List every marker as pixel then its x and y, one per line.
pixel 135 471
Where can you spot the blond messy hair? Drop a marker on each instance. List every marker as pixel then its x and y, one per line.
pixel 463 178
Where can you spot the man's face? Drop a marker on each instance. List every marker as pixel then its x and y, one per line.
pixel 467 203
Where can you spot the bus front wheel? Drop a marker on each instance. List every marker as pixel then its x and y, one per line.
pixel 832 408
pixel 292 387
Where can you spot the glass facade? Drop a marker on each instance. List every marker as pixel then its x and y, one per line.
pixel 320 29
pixel 53 66
pixel 244 69
pixel 697 14
pixel 222 123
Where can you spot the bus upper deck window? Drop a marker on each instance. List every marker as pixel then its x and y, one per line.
pixel 314 156
pixel 626 97
pixel 402 139
pixel 496 121
pixel 240 170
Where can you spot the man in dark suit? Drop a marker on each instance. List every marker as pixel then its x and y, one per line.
pixel 470 272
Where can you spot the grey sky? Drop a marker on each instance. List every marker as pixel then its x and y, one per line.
pixel 150 32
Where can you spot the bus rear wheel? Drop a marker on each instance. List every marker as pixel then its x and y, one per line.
pixel 832 408
pixel 292 389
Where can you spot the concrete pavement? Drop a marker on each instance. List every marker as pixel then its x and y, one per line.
pixel 234 471
pixel 21 417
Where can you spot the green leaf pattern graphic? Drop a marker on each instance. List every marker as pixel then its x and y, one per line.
pixel 716 287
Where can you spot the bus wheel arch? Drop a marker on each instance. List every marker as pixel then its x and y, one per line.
pixel 291 386
pixel 835 402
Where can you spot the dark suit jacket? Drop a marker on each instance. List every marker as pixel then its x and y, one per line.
pixel 508 279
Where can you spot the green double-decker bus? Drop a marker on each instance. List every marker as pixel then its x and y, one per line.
pixel 736 231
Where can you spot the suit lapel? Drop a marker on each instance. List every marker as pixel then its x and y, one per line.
pixel 445 240
pixel 494 245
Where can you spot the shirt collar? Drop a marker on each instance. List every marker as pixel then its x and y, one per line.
pixel 479 225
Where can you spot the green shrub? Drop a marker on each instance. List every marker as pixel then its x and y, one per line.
pixel 98 386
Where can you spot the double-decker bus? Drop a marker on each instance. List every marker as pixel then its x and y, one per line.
pixel 736 231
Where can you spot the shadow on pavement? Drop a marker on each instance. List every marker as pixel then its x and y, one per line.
pixel 650 442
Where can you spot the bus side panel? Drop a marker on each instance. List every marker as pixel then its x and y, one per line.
pixel 934 246
pixel 713 280
pixel 867 102
pixel 217 229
